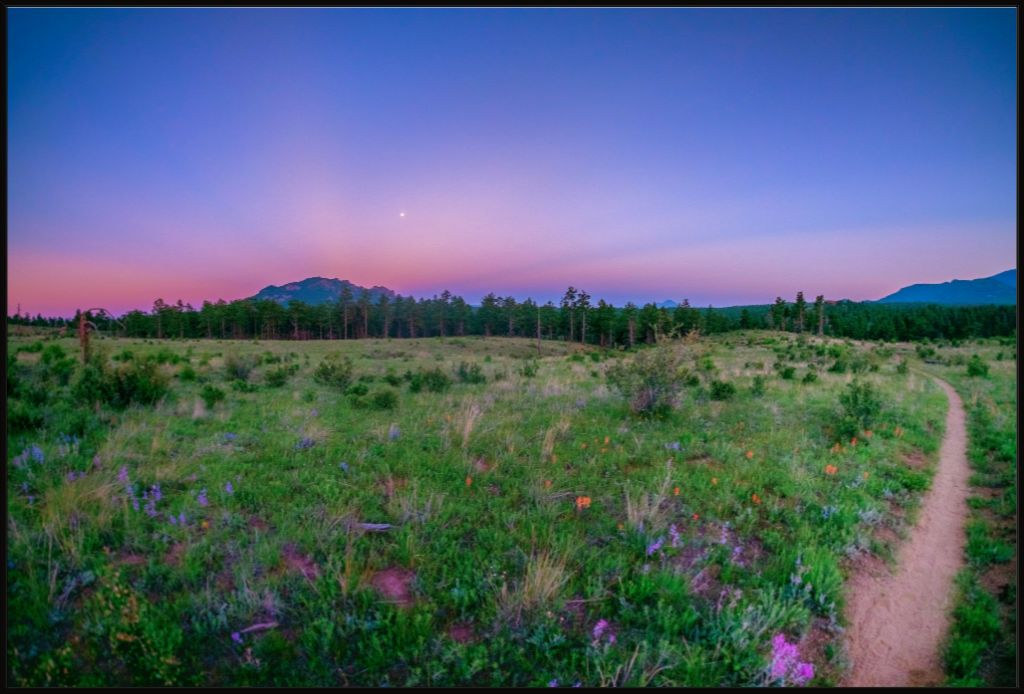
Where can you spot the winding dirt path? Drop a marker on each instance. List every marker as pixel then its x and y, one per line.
pixel 898 621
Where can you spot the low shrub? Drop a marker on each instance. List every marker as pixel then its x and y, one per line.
pixel 211 395
pixel 470 373
pixel 722 390
pixel 335 370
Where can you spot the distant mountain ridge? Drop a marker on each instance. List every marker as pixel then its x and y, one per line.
pixel 997 289
pixel 318 290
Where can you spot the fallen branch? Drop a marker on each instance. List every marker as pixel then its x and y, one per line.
pixel 259 627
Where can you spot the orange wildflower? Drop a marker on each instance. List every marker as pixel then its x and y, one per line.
pixel 868 434
pixel 714 480
pixel 547 484
pixel 696 516
pixel 205 524
pixel 750 455
pixel 755 498
pixel 676 491
pixel 853 441
pixel 607 439
pixel 582 502
pixel 469 481
pixel 583 445
pixel 865 475
pixel 831 469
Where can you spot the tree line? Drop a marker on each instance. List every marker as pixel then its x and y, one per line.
pixel 575 318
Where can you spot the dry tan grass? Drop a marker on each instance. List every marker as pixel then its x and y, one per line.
pixel 545 577
pixel 645 510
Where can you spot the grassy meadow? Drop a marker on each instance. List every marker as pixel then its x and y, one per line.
pixel 462 511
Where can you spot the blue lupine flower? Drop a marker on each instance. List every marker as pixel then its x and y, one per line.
pixel 674 446
pixel 655 546
pixel 343 465
pixel 36 453
pixel 236 637
pixel 553 683
pixel 305 443
pixel 229 489
pixel 203 501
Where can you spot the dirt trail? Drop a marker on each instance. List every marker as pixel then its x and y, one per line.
pixel 898 621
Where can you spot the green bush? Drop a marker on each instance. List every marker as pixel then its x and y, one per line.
pixel 810 377
pixel 276 378
pixel 470 373
pixel 861 406
pixel 239 366
pixel 335 370
pixel 357 389
pixel 757 387
pixel 976 367
pixel 787 373
pixel 392 379
pixel 243 386
pixel 902 367
pixel 435 380
pixel 722 390
pixel 384 399
pixel 211 395
pixel 650 381
pixel 187 373
pixel 529 369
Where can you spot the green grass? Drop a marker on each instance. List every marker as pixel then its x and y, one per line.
pixel 981 649
pixel 482 484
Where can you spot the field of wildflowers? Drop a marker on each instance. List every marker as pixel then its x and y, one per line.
pixel 499 517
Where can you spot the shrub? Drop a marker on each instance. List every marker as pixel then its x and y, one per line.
pixel 650 381
pixel 384 399
pixel 36 346
pixel 435 380
pixel 166 356
pixel 211 395
pixel 278 377
pixel 861 406
pixel 239 366
pixel 335 370
pixel 470 373
pixel 757 387
pixel 787 372
pixel 902 367
pixel 529 369
pixel 188 373
pixel 357 389
pixel 243 386
pixel 976 367
pixel 722 390
pixel 392 379
pixel 810 377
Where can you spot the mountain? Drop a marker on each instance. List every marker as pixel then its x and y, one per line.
pixel 998 289
pixel 667 304
pixel 318 290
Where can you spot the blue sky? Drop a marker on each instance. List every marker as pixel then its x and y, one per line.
pixel 725 156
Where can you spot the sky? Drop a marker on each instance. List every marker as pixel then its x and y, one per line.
pixel 723 156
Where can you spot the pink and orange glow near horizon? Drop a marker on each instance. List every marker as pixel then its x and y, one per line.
pixel 144 166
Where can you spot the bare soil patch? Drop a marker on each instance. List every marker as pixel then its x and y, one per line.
pixel 394 584
pixel 299 563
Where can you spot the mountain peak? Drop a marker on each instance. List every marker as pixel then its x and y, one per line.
pixel 997 289
pixel 318 290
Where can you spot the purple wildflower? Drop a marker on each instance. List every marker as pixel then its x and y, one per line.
pixel 150 504
pixel 655 546
pixel 230 437
pixel 600 628
pixel 229 489
pixel 24 487
pixel 174 521
pixel 37 453
pixel 394 432
pixel 122 476
pixel 786 662
pixel 155 489
pixel 673 533
pixel 181 518
pixel 343 465
pixel 553 683
pixel 305 443
pixel 236 637
pixel 203 501
pixel 674 446
pixel 804 674
pixel 314 413
pixel 577 685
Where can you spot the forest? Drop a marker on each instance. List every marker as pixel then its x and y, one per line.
pixel 574 319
